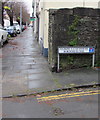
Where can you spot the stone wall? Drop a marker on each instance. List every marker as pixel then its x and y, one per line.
pixel 73 27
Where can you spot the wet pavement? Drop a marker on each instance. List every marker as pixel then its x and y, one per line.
pixel 25 70
pixel 24 67
pixel 0 83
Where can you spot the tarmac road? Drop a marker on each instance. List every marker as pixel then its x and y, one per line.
pixel 65 104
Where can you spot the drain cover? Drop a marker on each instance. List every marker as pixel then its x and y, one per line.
pixel 58 111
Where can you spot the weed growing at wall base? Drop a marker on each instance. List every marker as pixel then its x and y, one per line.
pixel 73 32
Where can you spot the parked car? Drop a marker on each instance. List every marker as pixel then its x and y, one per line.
pixel 3 36
pixel 15 23
pixel 12 31
pixel 18 29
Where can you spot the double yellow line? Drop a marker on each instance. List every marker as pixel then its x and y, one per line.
pixel 68 95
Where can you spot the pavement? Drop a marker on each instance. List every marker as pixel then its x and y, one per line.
pixel 26 71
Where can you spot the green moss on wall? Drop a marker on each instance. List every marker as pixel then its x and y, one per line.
pixel 73 32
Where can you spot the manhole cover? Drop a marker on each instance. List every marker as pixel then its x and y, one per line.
pixel 58 111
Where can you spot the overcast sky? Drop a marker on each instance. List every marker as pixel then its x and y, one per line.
pixel 29 5
pixel 29 2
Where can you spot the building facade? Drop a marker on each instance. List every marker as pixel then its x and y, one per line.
pixel 41 12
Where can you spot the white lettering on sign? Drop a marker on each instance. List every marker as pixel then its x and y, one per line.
pixel 76 50
pixel 86 49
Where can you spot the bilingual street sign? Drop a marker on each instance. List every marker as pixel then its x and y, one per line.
pixel 76 50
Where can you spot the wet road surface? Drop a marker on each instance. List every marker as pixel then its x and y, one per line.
pixel 85 106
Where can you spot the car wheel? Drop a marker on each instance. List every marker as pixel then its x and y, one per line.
pixel 15 34
pixel 1 43
pixel 6 41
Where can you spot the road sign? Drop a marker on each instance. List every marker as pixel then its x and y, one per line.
pixel 76 50
pixel 32 19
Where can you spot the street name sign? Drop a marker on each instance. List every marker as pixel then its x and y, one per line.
pixel 32 18
pixel 76 50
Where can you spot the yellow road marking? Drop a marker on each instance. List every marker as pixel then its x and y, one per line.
pixel 72 93
pixel 68 95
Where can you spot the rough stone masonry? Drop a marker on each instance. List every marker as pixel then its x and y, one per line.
pixel 73 27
